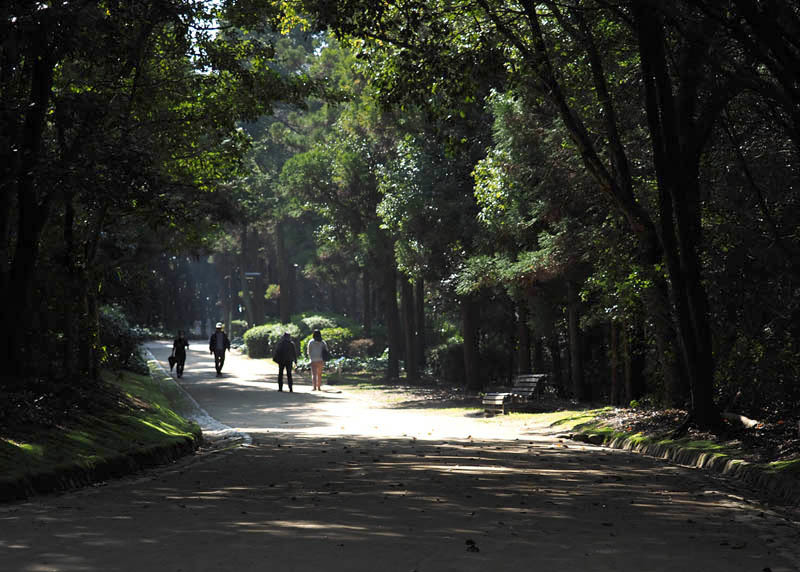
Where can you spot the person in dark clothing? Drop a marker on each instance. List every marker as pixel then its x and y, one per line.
pixel 285 354
pixel 217 345
pixel 179 346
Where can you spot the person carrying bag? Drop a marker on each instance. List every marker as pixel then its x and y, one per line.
pixel 318 353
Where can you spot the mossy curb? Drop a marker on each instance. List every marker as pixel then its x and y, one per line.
pixel 774 485
pixel 114 457
pixel 72 476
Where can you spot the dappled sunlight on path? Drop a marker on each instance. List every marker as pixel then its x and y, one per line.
pixel 335 482
pixel 247 399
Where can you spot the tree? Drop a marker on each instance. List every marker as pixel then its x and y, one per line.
pixel 119 116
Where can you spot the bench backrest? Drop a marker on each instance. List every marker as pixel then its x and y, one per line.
pixel 528 383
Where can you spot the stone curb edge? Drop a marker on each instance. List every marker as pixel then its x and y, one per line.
pixel 186 406
pixel 776 486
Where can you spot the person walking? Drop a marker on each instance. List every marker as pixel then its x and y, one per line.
pixel 179 346
pixel 318 354
pixel 285 354
pixel 217 345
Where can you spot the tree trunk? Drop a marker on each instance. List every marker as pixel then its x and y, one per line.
pixel 677 136
pixel 575 357
pixel 392 322
pixel 419 301
pixel 469 331
pixel 538 355
pixel 259 289
pixel 615 395
pixel 409 329
pixel 70 341
pixel 367 303
pixel 555 356
pixel 284 277
pixel 32 210
pixel 634 367
pixel 243 266
pixel 523 340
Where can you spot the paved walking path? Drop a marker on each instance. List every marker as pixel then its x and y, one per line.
pixel 334 482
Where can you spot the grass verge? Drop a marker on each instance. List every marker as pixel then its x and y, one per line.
pixel 140 430
pixel 723 451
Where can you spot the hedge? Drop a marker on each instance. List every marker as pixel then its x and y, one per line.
pixel 261 340
pixel 338 340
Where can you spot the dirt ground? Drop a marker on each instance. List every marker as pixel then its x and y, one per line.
pixel 345 480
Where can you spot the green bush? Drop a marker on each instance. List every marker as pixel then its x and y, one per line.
pixel 310 321
pixel 316 322
pixel 119 340
pixel 362 348
pixel 338 340
pixel 261 340
pixel 238 328
pixel 446 361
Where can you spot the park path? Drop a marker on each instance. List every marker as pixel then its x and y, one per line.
pixel 333 482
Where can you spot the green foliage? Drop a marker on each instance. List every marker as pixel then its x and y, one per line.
pixel 310 321
pixel 316 322
pixel 238 328
pixel 363 348
pixel 119 341
pixel 131 414
pixel 337 339
pixel 261 340
pixel 273 292
pixel 446 361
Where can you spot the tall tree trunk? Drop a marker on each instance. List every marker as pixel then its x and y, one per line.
pixel 575 353
pixel 615 394
pixel 678 132
pixel 32 209
pixel 409 329
pixel 523 340
pixel 93 332
pixel 419 321
pixel 70 342
pixel 538 354
pixel 284 275
pixel 469 331
pixel 634 347
pixel 367 303
pixel 244 264
pixel 555 356
pixel 392 321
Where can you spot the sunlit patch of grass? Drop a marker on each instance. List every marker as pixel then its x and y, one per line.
pixel 566 419
pixel 29 448
pixel 790 466
pixel 146 419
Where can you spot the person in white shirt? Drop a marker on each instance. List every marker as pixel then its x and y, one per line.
pixel 317 353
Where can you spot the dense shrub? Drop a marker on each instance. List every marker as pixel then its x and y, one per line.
pixel 261 340
pixel 120 341
pixel 238 328
pixel 495 361
pixel 338 340
pixel 316 322
pixel 362 348
pixel 310 321
pixel 446 361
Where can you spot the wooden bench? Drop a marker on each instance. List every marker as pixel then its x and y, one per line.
pixel 529 385
pixel 495 402
pixel 525 388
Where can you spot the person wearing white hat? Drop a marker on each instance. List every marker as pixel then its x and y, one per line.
pixel 217 345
